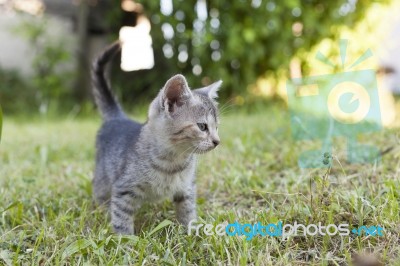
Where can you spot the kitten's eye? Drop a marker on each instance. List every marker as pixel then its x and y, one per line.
pixel 202 126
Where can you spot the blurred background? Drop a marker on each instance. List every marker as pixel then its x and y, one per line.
pixel 254 46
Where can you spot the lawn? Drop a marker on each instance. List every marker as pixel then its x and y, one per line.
pixel 47 216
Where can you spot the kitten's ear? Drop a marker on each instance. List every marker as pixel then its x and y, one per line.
pixel 175 93
pixel 211 90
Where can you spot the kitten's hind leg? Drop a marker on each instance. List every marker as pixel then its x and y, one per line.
pixel 101 188
pixel 185 206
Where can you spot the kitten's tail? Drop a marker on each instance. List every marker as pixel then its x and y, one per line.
pixel 105 100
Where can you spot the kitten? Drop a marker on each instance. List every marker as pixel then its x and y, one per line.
pixel 137 163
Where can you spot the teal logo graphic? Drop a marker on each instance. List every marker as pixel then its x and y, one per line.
pixel 340 105
pixel 374 230
pixel 348 103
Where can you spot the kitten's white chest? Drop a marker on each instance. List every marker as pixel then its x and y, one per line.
pixel 167 185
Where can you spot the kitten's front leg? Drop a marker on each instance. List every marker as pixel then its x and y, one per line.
pixel 123 205
pixel 185 205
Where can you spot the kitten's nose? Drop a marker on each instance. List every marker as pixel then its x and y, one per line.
pixel 216 142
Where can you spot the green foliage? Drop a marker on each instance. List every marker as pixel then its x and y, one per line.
pixel 51 79
pixel 1 122
pixel 13 86
pixel 238 42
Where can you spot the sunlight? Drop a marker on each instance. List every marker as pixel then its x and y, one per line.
pixel 166 7
pixel 33 7
pixel 136 54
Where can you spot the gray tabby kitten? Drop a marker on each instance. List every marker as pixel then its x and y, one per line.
pixel 137 163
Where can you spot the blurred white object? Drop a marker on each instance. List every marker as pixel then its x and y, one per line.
pixel 33 7
pixel 389 52
pixel 166 7
pixel 137 51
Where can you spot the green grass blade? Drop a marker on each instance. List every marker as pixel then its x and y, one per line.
pixel 163 224
pixel 75 247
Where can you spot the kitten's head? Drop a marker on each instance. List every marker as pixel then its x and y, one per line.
pixel 186 119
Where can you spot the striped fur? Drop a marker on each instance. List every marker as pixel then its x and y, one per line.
pixel 137 163
pixel 106 102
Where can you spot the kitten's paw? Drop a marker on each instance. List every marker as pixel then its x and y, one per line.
pixel 185 220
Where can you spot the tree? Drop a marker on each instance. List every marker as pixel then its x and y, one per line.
pixel 236 41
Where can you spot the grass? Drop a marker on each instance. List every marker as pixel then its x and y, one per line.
pixel 47 216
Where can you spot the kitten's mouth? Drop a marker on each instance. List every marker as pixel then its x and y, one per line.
pixel 201 151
